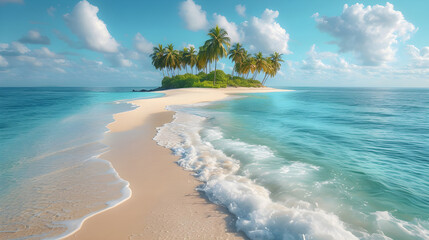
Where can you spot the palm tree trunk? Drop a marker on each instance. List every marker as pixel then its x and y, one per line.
pixel 263 83
pixel 214 78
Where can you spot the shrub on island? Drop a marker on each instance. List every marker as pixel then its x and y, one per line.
pixel 203 80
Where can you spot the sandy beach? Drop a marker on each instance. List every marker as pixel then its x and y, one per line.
pixel 164 203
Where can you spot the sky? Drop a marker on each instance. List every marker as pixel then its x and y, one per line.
pixel 101 43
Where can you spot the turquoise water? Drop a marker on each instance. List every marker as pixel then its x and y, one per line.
pixel 314 163
pixel 50 174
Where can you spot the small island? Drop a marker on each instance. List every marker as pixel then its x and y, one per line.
pixel 170 61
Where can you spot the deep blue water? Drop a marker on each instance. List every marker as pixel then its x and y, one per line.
pixel 314 163
pixel 49 142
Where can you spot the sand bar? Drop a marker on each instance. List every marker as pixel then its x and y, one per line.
pixel 164 203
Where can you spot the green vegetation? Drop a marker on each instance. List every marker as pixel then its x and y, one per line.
pixel 170 61
pixel 204 80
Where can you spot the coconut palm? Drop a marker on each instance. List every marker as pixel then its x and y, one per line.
pixel 217 46
pixel 269 68
pixel 243 67
pixel 276 60
pixel 202 59
pixel 260 64
pixel 158 57
pixel 184 55
pixel 172 59
pixel 236 54
pixel 192 58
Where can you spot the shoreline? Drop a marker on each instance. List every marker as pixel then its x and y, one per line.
pixel 163 201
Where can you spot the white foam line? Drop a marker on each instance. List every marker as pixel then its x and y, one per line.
pixel 126 191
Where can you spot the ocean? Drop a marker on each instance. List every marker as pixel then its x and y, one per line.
pixel 313 163
pixel 51 176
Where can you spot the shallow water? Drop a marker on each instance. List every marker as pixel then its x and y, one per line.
pixel 50 174
pixel 315 163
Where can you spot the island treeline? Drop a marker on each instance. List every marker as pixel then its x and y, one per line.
pixel 246 66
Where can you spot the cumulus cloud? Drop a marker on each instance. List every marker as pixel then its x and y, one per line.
pixel 17 55
pixel 420 57
pixel 142 45
pixel 44 52
pixel 29 59
pixel 3 62
pixel 193 15
pixel 313 60
pixel 265 34
pixel 118 60
pixel 234 32
pixel 241 10
pixel 13 49
pixel 319 61
pixel 85 24
pixel 34 37
pixel 368 32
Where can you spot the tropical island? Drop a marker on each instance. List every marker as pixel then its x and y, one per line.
pixel 170 61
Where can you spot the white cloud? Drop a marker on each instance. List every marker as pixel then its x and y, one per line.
pixel 3 62
pixel 234 32
pixel 194 17
pixel 13 49
pixel 189 45
pixel 51 11
pixel 369 32
pixel 313 60
pixel 265 34
pixel 85 24
pixel 119 60
pixel 142 45
pixel 241 10
pixel 28 59
pixel 34 37
pixel 19 57
pixel 44 52
pixel 420 57
pixel 319 61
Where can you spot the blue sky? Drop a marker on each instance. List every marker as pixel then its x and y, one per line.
pixel 107 43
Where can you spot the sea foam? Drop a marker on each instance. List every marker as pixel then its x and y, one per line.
pixel 258 216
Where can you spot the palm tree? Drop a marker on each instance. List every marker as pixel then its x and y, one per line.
pixel 276 60
pixel 192 58
pixel 217 46
pixel 184 55
pixel 268 68
pixel 157 56
pixel 252 66
pixel 260 64
pixel 236 54
pixel 202 59
pixel 243 67
pixel 172 59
